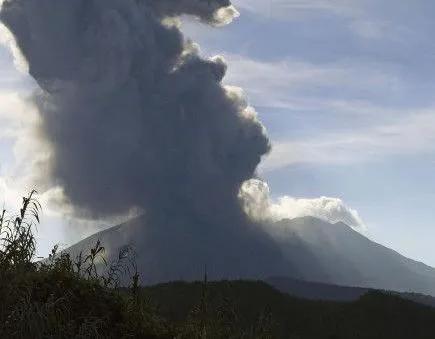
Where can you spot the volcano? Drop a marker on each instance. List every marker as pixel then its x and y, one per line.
pixel 307 249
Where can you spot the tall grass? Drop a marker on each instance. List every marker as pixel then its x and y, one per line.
pixel 17 242
pixel 64 297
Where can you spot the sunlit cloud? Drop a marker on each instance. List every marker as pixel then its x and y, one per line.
pixel 259 205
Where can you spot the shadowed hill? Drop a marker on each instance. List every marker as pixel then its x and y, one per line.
pixel 375 315
pixel 315 290
pixel 179 250
pixel 320 291
pixel 314 250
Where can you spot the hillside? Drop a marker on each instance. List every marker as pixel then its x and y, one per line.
pixel 337 254
pixel 315 290
pixel 327 292
pixel 314 250
pixel 375 315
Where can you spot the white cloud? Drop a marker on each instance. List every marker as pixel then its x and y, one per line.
pixel 257 203
pixel 22 153
pixel 413 134
pixel 17 114
pixel 7 39
pixel 370 29
pixel 21 161
pixel 293 9
pixel 299 84
pixel 364 18
pixel 226 15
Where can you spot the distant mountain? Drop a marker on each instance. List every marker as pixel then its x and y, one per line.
pixel 336 254
pixel 315 290
pixel 314 250
pixel 327 292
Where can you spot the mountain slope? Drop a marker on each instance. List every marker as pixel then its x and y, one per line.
pixel 315 290
pixel 327 292
pixel 314 250
pixel 345 257
pixel 373 316
pixel 178 249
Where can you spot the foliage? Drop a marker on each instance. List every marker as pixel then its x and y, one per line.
pixel 17 243
pixel 376 315
pixel 64 297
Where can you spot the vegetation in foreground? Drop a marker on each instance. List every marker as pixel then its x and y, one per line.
pixel 64 297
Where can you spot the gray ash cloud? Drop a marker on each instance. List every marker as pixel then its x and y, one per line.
pixel 135 117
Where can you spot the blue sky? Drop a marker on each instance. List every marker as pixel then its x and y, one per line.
pixel 345 90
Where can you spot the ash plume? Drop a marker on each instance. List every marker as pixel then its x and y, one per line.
pixel 135 118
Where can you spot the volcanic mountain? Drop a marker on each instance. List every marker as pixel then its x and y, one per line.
pixel 312 250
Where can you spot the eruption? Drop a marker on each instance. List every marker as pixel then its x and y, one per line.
pixel 135 118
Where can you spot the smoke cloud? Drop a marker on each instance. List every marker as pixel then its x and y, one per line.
pixel 134 116
pixel 255 195
pixel 135 119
